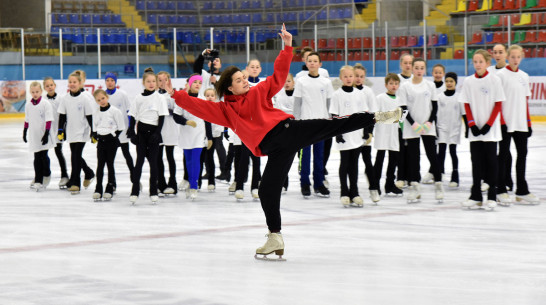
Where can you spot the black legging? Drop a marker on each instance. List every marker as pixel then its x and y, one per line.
pixel 106 154
pixel 148 148
pixel 370 173
pixel 442 147
pixel 78 163
pixel 41 166
pixel 348 167
pixel 281 144
pixel 210 164
pixel 62 161
pixel 241 174
pixel 327 149
pixel 391 168
pixel 520 140
pixel 226 169
pixel 161 181
pixel 414 154
pixel 484 160
pixel 128 158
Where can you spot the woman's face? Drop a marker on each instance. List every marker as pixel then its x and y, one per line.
pixel 239 84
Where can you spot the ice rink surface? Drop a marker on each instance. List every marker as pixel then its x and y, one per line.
pixel 58 248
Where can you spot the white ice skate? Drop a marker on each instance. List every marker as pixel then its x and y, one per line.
pixel 133 199
pixel 182 186
pixel 255 195
pixel 345 201
pixel 388 117
pixel 232 188
pixel 154 199
pixel 326 183
pixel 87 182
pixel 38 187
pixel 193 194
pixel 504 199
pixel 107 196
pixel 168 191
pixel 428 179
pixel 239 195
pixel 484 187
pixel 439 189
pixel 63 182
pixel 374 196
pixel 490 205
pixel 96 197
pixel 414 194
pixel 358 202
pixel 211 188
pixel 469 204
pixel 74 190
pixel 401 184
pixel 453 184
pixel 47 180
pixel 527 199
pixel 275 244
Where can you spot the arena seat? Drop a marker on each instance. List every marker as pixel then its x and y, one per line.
pixel 530 37
pixel 367 42
pixel 365 55
pixel 473 6
pixel 357 43
pixel 403 41
pixel 477 38
pixel 412 41
pixel 459 54
pixel 442 40
pixel 498 5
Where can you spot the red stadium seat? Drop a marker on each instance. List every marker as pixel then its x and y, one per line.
pixel 340 56
pixel 349 43
pixel 542 18
pixel 305 43
pixel 351 56
pixel 382 42
pixel 528 52
pixel 540 52
pixel 357 43
pixel 472 6
pixel 365 55
pixel 418 53
pixel 499 37
pixel 514 18
pixel 541 4
pixel 322 43
pixel 510 4
pixel 497 5
pixel 393 42
pixel 403 41
pixel 331 43
pixel 432 40
pixel 459 54
pixel 541 36
pixel 331 56
pixel 535 19
pixel 367 43
pixel 395 55
pixel 340 43
pixel 323 56
pixel 503 21
pixel 357 55
pixel 412 41
pixel 530 36
pixel 476 38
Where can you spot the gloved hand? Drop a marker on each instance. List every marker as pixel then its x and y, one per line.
pixel 25 134
pixel 130 133
pixel 528 134
pixel 191 123
pixel 475 130
pixel 209 144
pixel 339 139
pixel 94 137
pixel 426 127
pixel 466 131
pixel 60 135
pixel 485 129
pixel 45 138
pixel 417 128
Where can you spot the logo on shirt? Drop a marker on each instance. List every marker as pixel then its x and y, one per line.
pixel 484 90
pixel 426 94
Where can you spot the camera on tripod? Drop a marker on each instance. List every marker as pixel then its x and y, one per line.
pixel 212 55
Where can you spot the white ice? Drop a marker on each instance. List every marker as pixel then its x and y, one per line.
pixel 57 248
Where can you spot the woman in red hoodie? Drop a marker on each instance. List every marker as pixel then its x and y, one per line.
pixel 268 131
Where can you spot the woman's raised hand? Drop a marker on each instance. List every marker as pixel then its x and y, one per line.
pixel 286 36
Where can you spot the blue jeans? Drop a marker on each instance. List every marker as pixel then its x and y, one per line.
pixel 318 165
pixel 193 164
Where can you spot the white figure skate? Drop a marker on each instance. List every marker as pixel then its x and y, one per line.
pixel 211 188
pixel 154 199
pixel 96 197
pixel 374 196
pixel 414 194
pixel 133 199
pixel 471 204
pixel 527 199
pixel 428 179
pixel 255 195
pixel 62 183
pixel 275 244
pixel 232 188
pixel 358 202
pixel 439 189
pixel 239 195
pixel 345 201
pixel 504 199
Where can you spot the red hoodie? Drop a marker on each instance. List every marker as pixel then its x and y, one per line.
pixel 251 115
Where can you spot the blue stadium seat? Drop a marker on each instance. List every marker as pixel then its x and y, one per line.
pixel 97 19
pixel 91 38
pixel 152 19
pixel 216 19
pixel 226 19
pixel 420 42
pixel 120 38
pixel 207 19
pixel 179 36
pixel 190 6
pixel 231 37
pixel 196 37
pixel 347 13
pixel 151 5
pixel 323 2
pixel 54 31
pixel 182 19
pixel 220 5
pixel 140 5
pixel 207 5
pixel 206 37
pixel 151 39
pixel 270 18
pixel 271 34
pixel 172 19
pixel 131 39
pixel 268 3
pixel 192 19
pixel 245 18
pixel 171 5
pixel 236 18
pixel 141 37
pixel 281 17
pixel 241 37
pixel 180 5
pixel 257 17
pixel 53 18
pixel 245 5
pixel 442 40
pixel 73 19
pixel 334 13
pixel 161 19
pixel 75 38
pixel 107 18
pixel 116 19
pixel 105 38
pixel 488 37
pixel 188 37
pixel 86 19
pixel 231 5
pixel 323 15
pixel 218 37
pixel 256 4
pixel 162 5
pixel 260 37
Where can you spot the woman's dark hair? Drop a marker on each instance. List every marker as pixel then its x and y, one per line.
pixel 225 81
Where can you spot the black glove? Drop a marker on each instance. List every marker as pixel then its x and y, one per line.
pixel 485 129
pixel 339 139
pixel 528 134
pixel 130 133
pixel 226 135
pixel 26 129
pixel 366 135
pixel 45 138
pixel 60 135
pixel 475 130
pixel 466 131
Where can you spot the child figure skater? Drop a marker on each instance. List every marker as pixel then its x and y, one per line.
pixel 75 126
pixel 191 138
pixel 269 131
pixel 38 118
pixel 368 98
pixel 483 95
pixel 216 145
pixel 54 100
pixel 148 112
pixel 515 111
pixel 346 101
pixel 450 112
pixel 386 136
pixel 169 135
pixel 109 125
pixel 119 99
pixel 405 75
pixel 420 97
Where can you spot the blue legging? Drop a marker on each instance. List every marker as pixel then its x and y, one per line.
pixel 193 164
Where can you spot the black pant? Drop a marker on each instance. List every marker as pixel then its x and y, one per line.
pixel 218 146
pixel 128 158
pixel 484 160
pixel 327 149
pixel 414 153
pixel 106 154
pixel 442 147
pixel 378 166
pixel 229 160
pixel 241 174
pixel 348 167
pixel 161 181
pixel 210 164
pixel 369 171
pixel 520 140
pixel 147 147
pixel 62 161
pixel 78 163
pixel 281 144
pixel 41 166
pixel 403 159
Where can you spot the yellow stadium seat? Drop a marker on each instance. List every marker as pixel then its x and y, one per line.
pixel 486 5
pixel 525 19
pixel 461 6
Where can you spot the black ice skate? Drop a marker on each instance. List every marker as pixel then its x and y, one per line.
pixel 306 191
pixel 322 191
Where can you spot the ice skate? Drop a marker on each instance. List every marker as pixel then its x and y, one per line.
pixel 239 195
pixel 193 194
pixel 484 187
pixel 275 244
pixel 160 194
pixel 322 191
pixel 182 186
pixel 96 196
pixel 107 196
pixel 74 190
pixel 527 199
pixel 326 183
pixel 154 199
pixel 133 199
pixel 374 196
pixel 490 205
pixel 428 179
pixel 38 187
pixel 232 188
pixel 87 182
pixel 345 201
pixel 469 204
pixel 109 193
pixel 414 194
pixel 439 190
pixel 388 117
pixel 169 191
pixel 453 184
pixel 306 191
pixel 211 188
pixel 401 184
pixel 63 182
pixel 504 199
pixel 255 195
pixel 358 202
pixel 47 180
pixel 393 191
